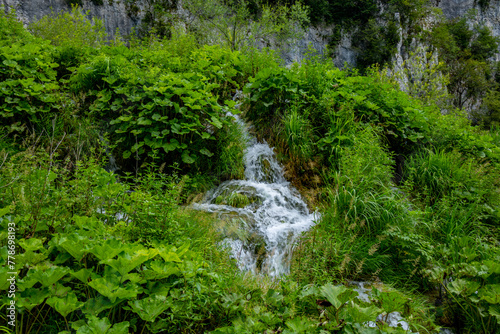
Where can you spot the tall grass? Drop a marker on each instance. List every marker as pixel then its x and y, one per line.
pixel 298 135
pixel 434 174
pixel 231 148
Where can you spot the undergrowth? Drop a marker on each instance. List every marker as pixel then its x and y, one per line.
pixel 407 196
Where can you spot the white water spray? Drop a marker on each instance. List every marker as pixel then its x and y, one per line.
pixel 267 227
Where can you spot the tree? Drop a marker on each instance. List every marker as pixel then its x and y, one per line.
pixel 240 25
pixel 421 76
pixel 466 50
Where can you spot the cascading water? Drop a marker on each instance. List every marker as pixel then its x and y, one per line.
pixel 262 227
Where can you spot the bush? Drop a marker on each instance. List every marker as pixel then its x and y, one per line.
pixel 376 44
pixel 70 29
pixel 11 29
pixel 28 87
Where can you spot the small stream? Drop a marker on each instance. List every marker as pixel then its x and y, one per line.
pixel 262 215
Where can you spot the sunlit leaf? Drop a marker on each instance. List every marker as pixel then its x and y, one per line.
pixel 65 305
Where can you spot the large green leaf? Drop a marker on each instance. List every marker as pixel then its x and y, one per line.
pixel 390 300
pixel 82 274
pixel 32 298
pixel 65 305
pixel 103 326
pixel 186 158
pixel 31 245
pixel 171 146
pixel 363 314
pixel 490 293
pixel 298 325
pixel 463 287
pixel 111 287
pixel 216 122
pixel 168 254
pixel 4 211
pixel 75 244
pixel 107 249
pixel 50 275
pixel 337 295
pixel 164 270
pixel 127 262
pixel 494 311
pixel 493 266
pixel 31 257
pixel 206 152
pixel 151 307
pixel 94 306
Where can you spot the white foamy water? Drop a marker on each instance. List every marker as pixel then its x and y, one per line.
pixel 264 231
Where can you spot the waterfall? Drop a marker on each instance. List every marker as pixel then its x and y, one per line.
pixel 262 227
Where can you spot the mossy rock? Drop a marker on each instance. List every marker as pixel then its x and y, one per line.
pixel 238 200
pixel 235 200
pixel 267 169
pixel 237 197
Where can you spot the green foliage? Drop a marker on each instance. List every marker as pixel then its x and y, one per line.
pixel 490 115
pixel 234 199
pixel 158 19
pixel 298 135
pixel 74 2
pixel 98 255
pixel 87 273
pixel 368 227
pixel 474 291
pixel 172 116
pixel 231 146
pixel 310 309
pixel 11 29
pixel 169 118
pixel 70 29
pixel 234 24
pixel 339 12
pixel 374 26
pixel 28 87
pixel 376 44
pixel 343 99
pixel 436 174
pixel 466 52
pixel 79 237
pixel 421 76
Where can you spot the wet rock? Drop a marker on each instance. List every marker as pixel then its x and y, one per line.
pixel 394 319
pixel 363 293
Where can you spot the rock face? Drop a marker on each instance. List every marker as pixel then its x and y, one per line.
pixel 345 53
pixel 490 17
pixel 116 15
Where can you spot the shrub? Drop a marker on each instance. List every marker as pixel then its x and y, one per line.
pixel 11 29
pixel 376 44
pixel 29 89
pixel 70 29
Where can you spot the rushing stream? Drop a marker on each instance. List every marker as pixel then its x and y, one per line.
pixel 263 213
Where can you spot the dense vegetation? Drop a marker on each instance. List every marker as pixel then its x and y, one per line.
pixel 377 31
pixel 408 196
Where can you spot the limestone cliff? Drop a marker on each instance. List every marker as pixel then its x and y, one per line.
pixel 117 15
pixel 114 13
